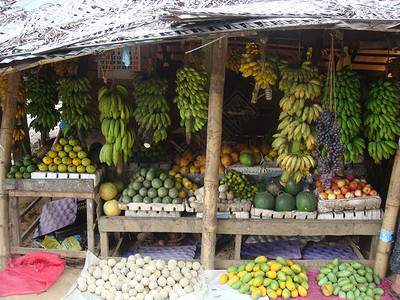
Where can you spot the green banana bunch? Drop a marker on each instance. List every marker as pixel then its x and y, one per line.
pixel 192 98
pixel 43 97
pixel 381 122
pixel 76 99
pixel 115 111
pixel 347 89
pixel 152 107
pixel 300 85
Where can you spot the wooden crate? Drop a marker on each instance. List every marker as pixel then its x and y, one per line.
pixel 152 209
pixel 372 214
pixel 356 204
pixel 259 213
pixel 242 206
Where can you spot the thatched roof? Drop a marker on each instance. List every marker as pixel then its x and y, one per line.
pixel 84 26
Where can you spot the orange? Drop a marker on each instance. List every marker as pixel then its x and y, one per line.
pixel 57 160
pixel 77 148
pixel 82 154
pixel 66 161
pixel 56 147
pixel 77 161
pixel 52 153
pixel 86 161
pixel 72 154
pixel 67 148
pixel 47 160
pixel 81 169
pixel 62 154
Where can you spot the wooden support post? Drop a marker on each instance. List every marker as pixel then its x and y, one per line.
pixel 214 133
pixel 389 220
pixel 15 221
pixel 7 128
pixel 238 246
pixel 90 224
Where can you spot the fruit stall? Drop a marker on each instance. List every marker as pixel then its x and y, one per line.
pixel 271 140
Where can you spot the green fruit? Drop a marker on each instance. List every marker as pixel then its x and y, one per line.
pixel 14 169
pixel 19 163
pixel 137 199
pixel 285 202
pixel 294 188
pixel 10 175
pixel 273 186
pixel 168 183
pixel 22 169
pixel 166 200
pixel 150 175
pixel 156 183
pixel 126 199
pixel 147 184
pixel 264 200
pixel 152 193
pixel 125 192
pixel 173 193
pixel 162 192
pixel 247 159
pixel 18 175
pixel 119 185
pixel 177 201
pixel 137 185
pixel 131 192
pixel 27 162
pixel 108 191
pixel 147 200
pixel 143 172
pixel 157 200
pixel 31 168
pixel 26 175
pixel 306 201
pixel 163 176
pixel 143 192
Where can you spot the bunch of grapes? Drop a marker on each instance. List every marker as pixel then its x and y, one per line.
pixel 328 149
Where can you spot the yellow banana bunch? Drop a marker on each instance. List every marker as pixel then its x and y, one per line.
pixel 19 134
pixel 251 66
pixel 22 107
pixel 66 67
pixel 296 129
pixel 116 111
pixel 192 98
pixel 234 59
pixel 252 48
pixel 195 59
pixel 152 107
pixel 76 103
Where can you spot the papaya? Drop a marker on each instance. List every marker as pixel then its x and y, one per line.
pixel 327 289
pixel 276 267
pixel 223 279
pixel 244 288
pixel 256 294
pixel 286 294
pixel 302 291
pixel 263 291
pixel 260 259
pixel 236 285
pixel 281 260
pixel 249 267
pixel 247 277
pixel 265 267
pixel 272 294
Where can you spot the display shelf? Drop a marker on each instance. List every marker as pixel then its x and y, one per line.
pixel 240 227
pixel 50 188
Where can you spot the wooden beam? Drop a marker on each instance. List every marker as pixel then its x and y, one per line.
pixel 214 133
pixel 389 220
pixel 63 253
pixel 7 128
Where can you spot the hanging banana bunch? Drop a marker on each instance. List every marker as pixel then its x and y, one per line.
pixel 152 107
pixel 116 111
pixel 296 130
pixel 20 131
pixel 66 67
pixel 382 125
pixel 349 111
pixel 234 60
pixel 75 109
pixel 192 98
pixel 43 97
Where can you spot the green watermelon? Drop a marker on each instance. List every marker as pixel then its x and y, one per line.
pixel 264 200
pixel 285 202
pixel 247 159
pixel 273 186
pixel 306 201
pixel 294 188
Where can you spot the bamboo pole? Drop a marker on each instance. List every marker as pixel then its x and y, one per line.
pixel 389 220
pixel 7 128
pixel 214 133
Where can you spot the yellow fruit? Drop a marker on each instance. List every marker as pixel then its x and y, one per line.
pixel 47 160
pixel 272 294
pixel 66 161
pixel 276 267
pixel 81 169
pixel 57 160
pixel 182 194
pixel 76 161
pixel 257 267
pixel 57 147
pixel 286 294
pixel 232 279
pixel 302 291
pixel 226 150
pixel 259 273
pixel 294 294
pixel 226 160
pixel 290 285
pixel 256 294
pixel 62 168
pixel 86 161
pixel 271 274
pixel 110 208
pixel 62 154
pixel 260 259
pixel 241 274
pixel 258 281
pixel 263 291
pixel 296 268
pixel 279 292
pixel 235 157
pixel 52 154
pixel 77 148
pixel 223 279
pixel 289 262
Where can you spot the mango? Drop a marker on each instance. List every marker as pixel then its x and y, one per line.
pixel 276 267
pixel 289 262
pixel 378 291
pixel 244 288
pixel 271 274
pixel 287 270
pixel 350 295
pixel 241 268
pixel 297 279
pixel 256 294
pixel 305 285
pixel 325 271
pixel 249 267
pixel 296 268
pixel 241 274
pixel 279 292
pixel 260 259
pixel 361 272
pixel 336 291
pixel 231 274
pixel 232 269
pixel 281 260
pixel 286 294
pixel 323 281
pixel 257 281
pixel 290 285
pixel 223 279
pixel 265 267
pixel 331 277
pixel 232 280
pixel 281 275
pixel 335 262
pixel 327 289
pixel 302 291
pixel 236 285
pixel 267 281
pixel 257 267
pixel 274 285
pixel 294 294
pixel 259 273
pixel 347 287
pixel 282 284
pixel 369 277
pixel 272 294
pixel 263 291
pixel 246 277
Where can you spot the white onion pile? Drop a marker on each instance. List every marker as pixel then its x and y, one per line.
pixel 140 278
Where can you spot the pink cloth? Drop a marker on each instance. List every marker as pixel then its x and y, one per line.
pixel 315 292
pixel 32 273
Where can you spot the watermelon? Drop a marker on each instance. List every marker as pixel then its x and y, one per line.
pixel 285 202
pixel 273 186
pixel 294 188
pixel 264 200
pixel 306 201
pixel 247 159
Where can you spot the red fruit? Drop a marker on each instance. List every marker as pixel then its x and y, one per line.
pixel 364 195
pixel 353 185
pixel 373 193
pixel 334 186
pixel 348 195
pixel 336 179
pixel 341 183
pixel 357 193
pixel 337 192
pixel 366 189
pixel 340 196
pixel 318 183
pixel 344 190
pixel 324 195
pixel 320 189
pixel 350 177
pixel 362 184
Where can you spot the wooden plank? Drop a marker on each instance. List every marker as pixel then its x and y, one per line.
pixel 63 253
pixel 90 224
pixel 104 244
pixel 15 221
pixel 223 264
pixel 238 246
pixel 354 247
pixel 29 230
pixel 51 194
pixel 30 206
pixel 50 185
pixel 242 226
pixel 119 244
pixel 7 129
pixel 373 247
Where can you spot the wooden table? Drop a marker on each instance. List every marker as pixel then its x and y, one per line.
pixel 240 227
pixel 50 188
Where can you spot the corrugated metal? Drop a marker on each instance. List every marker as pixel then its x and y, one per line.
pixel 84 26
